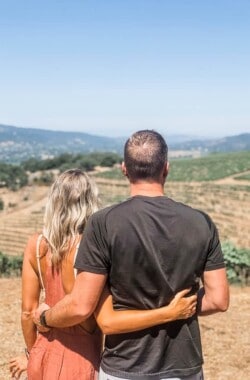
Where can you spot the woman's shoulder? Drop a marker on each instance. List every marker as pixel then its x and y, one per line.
pixel 32 240
pixel 31 246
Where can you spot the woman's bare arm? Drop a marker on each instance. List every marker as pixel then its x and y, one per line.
pixel 116 322
pixel 30 300
pixel 30 293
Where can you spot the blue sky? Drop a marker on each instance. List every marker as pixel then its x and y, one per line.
pixel 111 67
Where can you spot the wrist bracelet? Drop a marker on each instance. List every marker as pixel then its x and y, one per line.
pixel 43 319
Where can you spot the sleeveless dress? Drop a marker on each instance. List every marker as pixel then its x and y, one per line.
pixel 69 353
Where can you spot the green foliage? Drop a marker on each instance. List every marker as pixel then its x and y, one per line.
pixel 12 176
pixel 237 263
pixel 245 177
pixel 209 168
pixel 65 161
pixel 114 173
pixel 1 204
pixel 32 164
pixel 46 178
pixel 108 159
pixel 10 265
pixel 86 163
pixel 35 164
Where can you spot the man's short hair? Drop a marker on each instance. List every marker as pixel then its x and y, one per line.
pixel 145 154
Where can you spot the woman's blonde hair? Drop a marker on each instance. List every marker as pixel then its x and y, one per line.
pixel 72 199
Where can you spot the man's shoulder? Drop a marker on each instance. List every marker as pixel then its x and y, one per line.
pixel 189 211
pixel 102 213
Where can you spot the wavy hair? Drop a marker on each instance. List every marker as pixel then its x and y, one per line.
pixel 72 199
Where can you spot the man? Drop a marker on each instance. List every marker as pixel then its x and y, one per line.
pixel 148 247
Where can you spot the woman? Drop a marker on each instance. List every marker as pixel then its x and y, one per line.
pixel 73 352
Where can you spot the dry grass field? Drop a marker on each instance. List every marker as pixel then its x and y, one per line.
pixel 227 201
pixel 226 339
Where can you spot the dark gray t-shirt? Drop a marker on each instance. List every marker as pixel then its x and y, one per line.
pixel 151 248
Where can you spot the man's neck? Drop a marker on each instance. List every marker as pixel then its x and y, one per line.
pixel 148 189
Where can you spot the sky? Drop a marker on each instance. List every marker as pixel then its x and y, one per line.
pixel 111 67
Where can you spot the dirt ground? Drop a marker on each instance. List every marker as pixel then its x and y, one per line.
pixel 225 337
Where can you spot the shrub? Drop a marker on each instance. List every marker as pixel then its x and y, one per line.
pixel 237 263
pixel 110 159
pixel 45 179
pixel 12 176
pixel 1 204
pixel 68 161
pixel 11 204
pixel 10 265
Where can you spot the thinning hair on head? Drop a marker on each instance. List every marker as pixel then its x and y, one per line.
pixel 72 199
pixel 145 154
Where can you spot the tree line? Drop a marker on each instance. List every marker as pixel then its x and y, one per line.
pixel 16 176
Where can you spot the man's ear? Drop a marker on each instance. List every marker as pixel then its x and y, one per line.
pixel 124 169
pixel 166 169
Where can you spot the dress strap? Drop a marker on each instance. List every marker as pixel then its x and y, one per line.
pixel 38 262
pixel 75 270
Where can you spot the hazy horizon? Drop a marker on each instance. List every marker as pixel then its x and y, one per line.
pixel 164 132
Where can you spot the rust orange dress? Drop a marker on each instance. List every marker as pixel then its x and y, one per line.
pixel 70 353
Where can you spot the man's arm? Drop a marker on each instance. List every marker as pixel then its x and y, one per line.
pixel 78 305
pixel 213 297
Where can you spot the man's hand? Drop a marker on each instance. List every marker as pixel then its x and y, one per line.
pixel 36 317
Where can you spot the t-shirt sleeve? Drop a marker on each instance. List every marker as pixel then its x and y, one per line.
pixel 93 254
pixel 215 259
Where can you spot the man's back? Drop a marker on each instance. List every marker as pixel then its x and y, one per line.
pixel 152 247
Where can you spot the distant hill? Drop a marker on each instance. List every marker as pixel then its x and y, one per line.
pixel 226 144
pixel 19 144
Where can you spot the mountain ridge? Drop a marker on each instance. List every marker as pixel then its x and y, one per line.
pixel 19 143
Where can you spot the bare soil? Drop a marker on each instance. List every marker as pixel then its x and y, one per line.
pixel 225 336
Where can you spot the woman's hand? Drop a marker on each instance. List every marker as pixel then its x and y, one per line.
pixel 36 317
pixel 18 365
pixel 183 306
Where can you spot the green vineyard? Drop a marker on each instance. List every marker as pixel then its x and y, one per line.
pixel 217 184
